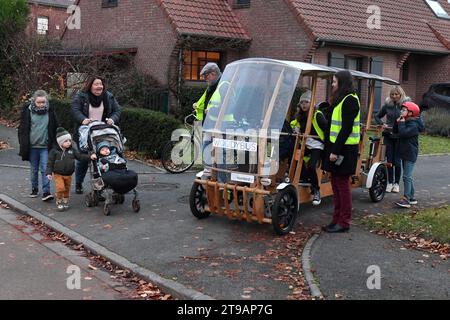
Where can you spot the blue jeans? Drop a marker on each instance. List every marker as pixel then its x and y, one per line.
pixel 81 168
pixel 408 181
pixel 38 161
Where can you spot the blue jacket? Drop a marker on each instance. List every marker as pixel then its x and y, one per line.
pixel 408 133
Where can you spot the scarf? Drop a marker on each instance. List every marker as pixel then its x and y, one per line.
pixel 39 111
pixel 95 101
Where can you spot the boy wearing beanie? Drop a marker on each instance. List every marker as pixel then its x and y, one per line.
pixel 61 165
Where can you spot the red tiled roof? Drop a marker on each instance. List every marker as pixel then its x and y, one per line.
pixel 404 23
pixel 204 18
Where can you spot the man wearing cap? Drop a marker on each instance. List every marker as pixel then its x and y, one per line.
pixel 211 73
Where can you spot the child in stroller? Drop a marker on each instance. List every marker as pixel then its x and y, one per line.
pixel 109 173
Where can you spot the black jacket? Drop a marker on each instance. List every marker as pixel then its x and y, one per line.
pixel 408 134
pixel 63 162
pixel 25 127
pixel 350 110
pixel 80 110
pixel 392 113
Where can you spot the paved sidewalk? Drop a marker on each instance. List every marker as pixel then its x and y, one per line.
pixel 36 268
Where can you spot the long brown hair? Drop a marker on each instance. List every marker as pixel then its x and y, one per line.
pixel 345 86
pixel 90 80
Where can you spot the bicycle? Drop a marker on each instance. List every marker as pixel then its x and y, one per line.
pixel 180 155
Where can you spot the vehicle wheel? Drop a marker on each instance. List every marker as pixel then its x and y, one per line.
pixel 379 183
pixel 136 204
pixel 198 201
pixel 284 210
pixel 178 156
pixel 88 200
pixel 107 209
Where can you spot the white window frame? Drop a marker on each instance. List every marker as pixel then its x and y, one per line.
pixel 437 9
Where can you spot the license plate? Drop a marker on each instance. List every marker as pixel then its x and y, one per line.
pixel 242 177
pixel 235 145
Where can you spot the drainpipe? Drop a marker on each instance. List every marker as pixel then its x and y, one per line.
pixel 180 64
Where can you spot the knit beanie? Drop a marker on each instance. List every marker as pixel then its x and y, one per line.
pixel 62 135
pixel 101 145
pixel 306 96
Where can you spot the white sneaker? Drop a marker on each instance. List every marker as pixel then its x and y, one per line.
pixel 396 188
pixel 389 187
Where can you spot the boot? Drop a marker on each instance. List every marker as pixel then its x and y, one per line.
pixel 79 188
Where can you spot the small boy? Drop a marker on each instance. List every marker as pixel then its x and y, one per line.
pixel 61 165
pixel 408 126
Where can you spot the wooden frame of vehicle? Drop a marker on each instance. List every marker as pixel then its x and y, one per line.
pixel 265 200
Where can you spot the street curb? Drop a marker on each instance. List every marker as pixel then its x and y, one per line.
pixel 150 165
pixel 306 265
pixel 174 288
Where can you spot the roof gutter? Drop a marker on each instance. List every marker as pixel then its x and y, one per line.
pixel 46 4
pixel 323 41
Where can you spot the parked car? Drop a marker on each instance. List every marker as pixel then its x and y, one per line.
pixel 437 96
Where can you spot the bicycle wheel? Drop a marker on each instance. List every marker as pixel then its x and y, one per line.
pixel 178 156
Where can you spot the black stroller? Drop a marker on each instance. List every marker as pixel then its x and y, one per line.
pixel 115 183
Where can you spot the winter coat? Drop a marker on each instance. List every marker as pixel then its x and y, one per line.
pixel 408 134
pixel 392 112
pixel 62 162
pixel 350 110
pixel 25 127
pixel 80 110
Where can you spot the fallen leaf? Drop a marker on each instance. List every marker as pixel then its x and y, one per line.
pixel 107 226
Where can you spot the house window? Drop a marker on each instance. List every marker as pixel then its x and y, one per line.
pixel 405 71
pixel 241 4
pixel 109 3
pixel 42 25
pixel 437 9
pixel 194 61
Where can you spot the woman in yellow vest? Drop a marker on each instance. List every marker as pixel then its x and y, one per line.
pixel 342 151
pixel 314 146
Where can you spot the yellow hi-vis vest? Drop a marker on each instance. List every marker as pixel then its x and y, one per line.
pixel 214 102
pixel 201 106
pixel 336 123
pixel 320 133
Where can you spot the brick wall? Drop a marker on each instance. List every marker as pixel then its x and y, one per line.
pixel 56 19
pixel 432 70
pixel 274 30
pixel 390 68
pixel 133 23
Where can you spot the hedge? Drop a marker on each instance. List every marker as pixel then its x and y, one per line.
pixel 146 131
pixel 437 122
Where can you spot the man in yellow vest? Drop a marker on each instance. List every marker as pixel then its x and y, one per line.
pixel 314 145
pixel 342 155
pixel 211 73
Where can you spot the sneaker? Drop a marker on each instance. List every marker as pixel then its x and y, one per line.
pixel 403 203
pixel 316 198
pixel 79 188
pixel 34 193
pixel 66 204
pixel 59 205
pixel 413 201
pixel 47 196
pixel 396 188
pixel 389 187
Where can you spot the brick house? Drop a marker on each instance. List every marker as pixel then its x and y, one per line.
pixel 175 38
pixel 48 17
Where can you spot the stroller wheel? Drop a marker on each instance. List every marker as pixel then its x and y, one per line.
pixel 121 198
pixel 107 210
pixel 136 205
pixel 89 201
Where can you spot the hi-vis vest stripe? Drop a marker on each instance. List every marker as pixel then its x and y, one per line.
pixel 320 133
pixel 201 106
pixel 216 99
pixel 336 123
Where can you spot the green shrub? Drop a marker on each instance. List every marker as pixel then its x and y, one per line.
pixel 146 131
pixel 437 122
